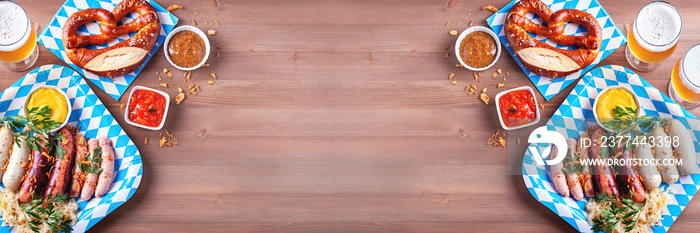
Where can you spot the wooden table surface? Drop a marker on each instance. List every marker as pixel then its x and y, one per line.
pixel 338 116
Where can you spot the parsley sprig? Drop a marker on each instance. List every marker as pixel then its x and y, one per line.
pixel 572 163
pixel 28 128
pixel 91 164
pixel 627 120
pixel 624 211
pixel 41 211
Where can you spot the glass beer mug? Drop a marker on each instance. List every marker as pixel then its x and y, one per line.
pixel 18 47
pixel 684 87
pixel 654 35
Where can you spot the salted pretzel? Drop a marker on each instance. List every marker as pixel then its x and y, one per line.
pixel 544 59
pixel 121 58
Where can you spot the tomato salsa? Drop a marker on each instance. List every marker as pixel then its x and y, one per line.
pixel 517 108
pixel 147 108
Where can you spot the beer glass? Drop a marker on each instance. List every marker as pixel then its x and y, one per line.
pixel 653 36
pixel 18 47
pixel 684 87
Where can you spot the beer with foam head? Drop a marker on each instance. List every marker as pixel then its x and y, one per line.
pixel 17 38
pixel 685 79
pixel 653 36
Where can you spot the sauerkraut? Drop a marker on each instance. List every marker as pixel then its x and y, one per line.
pixel 13 213
pixel 648 216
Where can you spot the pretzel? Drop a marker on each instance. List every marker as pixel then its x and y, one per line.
pixel 121 58
pixel 542 58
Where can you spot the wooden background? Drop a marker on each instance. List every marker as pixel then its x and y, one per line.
pixel 338 116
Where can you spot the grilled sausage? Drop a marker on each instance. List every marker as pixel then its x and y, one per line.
pixel 685 149
pixel 572 179
pixel 35 181
pixel 603 174
pixel 81 151
pixel 60 175
pixel 107 173
pixel 586 178
pixel 17 166
pixel 651 178
pixel 663 153
pixel 556 174
pixel 91 178
pixel 6 141
pixel 627 178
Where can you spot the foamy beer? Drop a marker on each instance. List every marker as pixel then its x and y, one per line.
pixel 18 49
pixel 685 79
pixel 653 36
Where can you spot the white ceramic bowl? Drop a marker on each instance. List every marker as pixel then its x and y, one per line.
pixel 474 29
pixel 165 114
pixel 498 108
pixel 595 103
pixel 192 29
pixel 70 107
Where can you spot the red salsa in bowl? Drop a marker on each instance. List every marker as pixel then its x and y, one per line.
pixel 147 108
pixel 517 108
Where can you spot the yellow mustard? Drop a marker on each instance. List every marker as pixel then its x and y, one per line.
pixel 613 98
pixel 51 98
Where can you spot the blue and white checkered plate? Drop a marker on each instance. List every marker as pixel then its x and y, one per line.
pixel 51 38
pixel 612 40
pixel 576 112
pixel 93 119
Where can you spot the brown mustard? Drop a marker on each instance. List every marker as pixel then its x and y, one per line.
pixel 478 49
pixel 186 49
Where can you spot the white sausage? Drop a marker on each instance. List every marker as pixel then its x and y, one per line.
pixel 649 173
pixel 662 152
pixel 6 140
pixel 91 179
pixel 15 171
pixel 107 173
pixel 685 149
pixel 556 174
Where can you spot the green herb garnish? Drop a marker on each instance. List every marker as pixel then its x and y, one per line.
pixel 39 210
pixel 91 164
pixel 624 211
pixel 627 120
pixel 37 122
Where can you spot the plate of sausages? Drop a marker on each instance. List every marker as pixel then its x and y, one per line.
pixel 100 167
pixel 661 174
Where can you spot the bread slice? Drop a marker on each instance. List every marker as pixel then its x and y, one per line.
pixel 117 62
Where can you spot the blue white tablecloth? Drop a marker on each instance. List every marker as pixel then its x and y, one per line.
pixel 94 120
pixel 51 38
pixel 612 40
pixel 576 112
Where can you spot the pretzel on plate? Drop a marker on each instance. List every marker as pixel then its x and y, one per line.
pixel 542 58
pixel 121 58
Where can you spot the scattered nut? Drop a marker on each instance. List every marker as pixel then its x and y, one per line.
pixel 122 105
pixel 145 141
pixel 173 7
pixel 452 75
pixel 541 106
pixel 448 23
pixel 164 85
pixel 211 82
pixel 500 85
pixel 216 22
pixel 194 23
pixel 453 82
pixel 179 98
pixel 213 75
pixel 454 32
pixel 211 32
pixel 470 23
pixel 484 98
pixel 499 71
pixel 165 70
pixel 491 8
pixel 218 54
